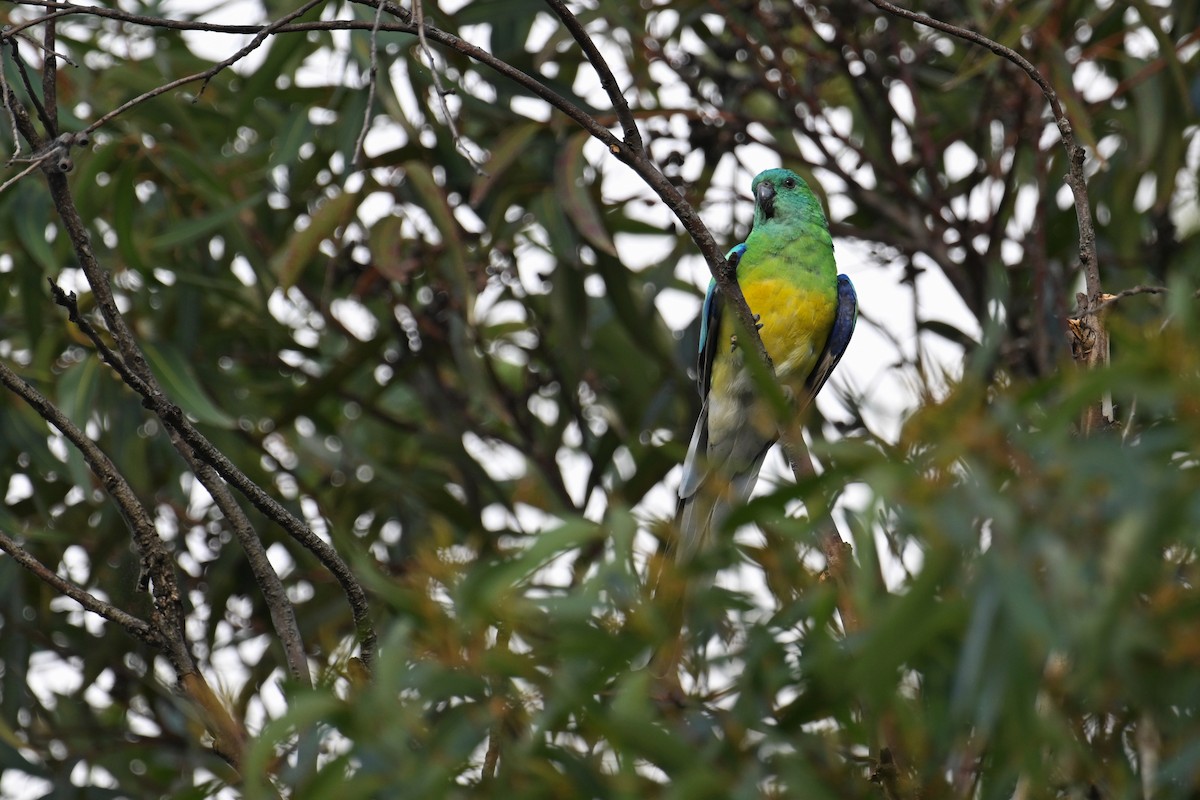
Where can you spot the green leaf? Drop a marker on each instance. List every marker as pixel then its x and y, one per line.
pixel 31 230
pixel 575 196
pixel 77 393
pixel 302 246
pixel 124 203
pixel 506 151
pixel 183 232
pixel 179 381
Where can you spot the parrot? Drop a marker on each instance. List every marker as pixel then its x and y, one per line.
pixel 805 313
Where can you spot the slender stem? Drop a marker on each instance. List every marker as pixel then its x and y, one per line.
pixel 33 167
pixel 157 564
pixel 208 74
pixel 137 628
pixel 173 417
pixel 283 613
pixel 439 90
pixel 1109 299
pixel 49 79
pixel 372 80
pixel 608 82
pixel 21 120
pixel 1075 153
pixel 25 79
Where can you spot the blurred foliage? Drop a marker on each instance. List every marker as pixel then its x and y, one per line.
pixel 466 382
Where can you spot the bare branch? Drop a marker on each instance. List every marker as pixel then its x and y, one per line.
pixel 50 79
pixel 1075 153
pixel 143 382
pixel 372 80
pixel 207 75
pixel 25 79
pixel 21 120
pixel 12 31
pixel 608 82
pixel 9 99
pixel 33 167
pixel 427 54
pixel 49 52
pixel 283 612
pixel 157 565
pixel 137 628
pixel 1107 300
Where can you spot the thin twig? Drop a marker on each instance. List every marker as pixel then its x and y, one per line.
pixel 33 166
pixel 157 564
pixel 1107 300
pixel 47 51
pixel 359 154
pixel 22 121
pixel 49 78
pixel 608 81
pixel 173 417
pixel 207 75
pixel 1075 153
pixel 25 79
pixel 137 628
pixel 427 54
pixel 12 31
pixel 8 99
pixel 282 611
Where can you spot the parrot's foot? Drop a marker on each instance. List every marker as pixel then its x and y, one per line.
pixel 758 326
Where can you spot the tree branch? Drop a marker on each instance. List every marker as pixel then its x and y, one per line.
pixel 633 138
pixel 1107 300
pixel 372 81
pixel 283 613
pixel 1075 153
pixel 206 75
pixel 28 82
pixel 173 417
pixel 157 565
pixel 1089 345
pixel 419 21
pixel 49 79
pixel 137 628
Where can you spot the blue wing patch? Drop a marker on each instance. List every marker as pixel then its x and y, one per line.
pixel 694 466
pixel 839 336
pixel 710 324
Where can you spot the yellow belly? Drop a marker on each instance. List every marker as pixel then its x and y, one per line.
pixel 795 325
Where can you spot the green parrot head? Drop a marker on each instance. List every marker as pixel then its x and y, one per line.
pixel 781 197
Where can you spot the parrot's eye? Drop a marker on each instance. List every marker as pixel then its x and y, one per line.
pixel 789 183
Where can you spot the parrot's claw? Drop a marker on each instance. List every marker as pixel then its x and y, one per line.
pixel 758 325
pixel 733 342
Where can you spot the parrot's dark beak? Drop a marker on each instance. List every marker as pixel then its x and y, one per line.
pixel 765 197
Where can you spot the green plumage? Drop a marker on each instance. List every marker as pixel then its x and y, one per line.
pixel 788 276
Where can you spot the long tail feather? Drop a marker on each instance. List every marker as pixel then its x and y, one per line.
pixel 704 510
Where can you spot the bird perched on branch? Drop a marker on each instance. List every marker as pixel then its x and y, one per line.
pixel 805 313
